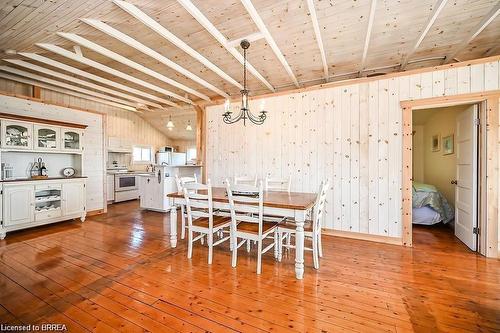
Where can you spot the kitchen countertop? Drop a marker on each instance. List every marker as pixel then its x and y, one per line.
pixel 37 180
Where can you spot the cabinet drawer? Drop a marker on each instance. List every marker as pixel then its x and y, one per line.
pixel 49 214
pixel 48 187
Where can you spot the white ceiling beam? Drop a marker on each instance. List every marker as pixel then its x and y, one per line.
pixel 110 31
pixel 317 33
pixel 369 29
pixel 203 20
pixel 162 31
pixel 270 40
pixel 78 50
pixel 438 7
pixel 251 38
pixel 132 64
pixel 43 84
pixel 487 19
pixel 91 85
pixel 90 76
pixel 70 55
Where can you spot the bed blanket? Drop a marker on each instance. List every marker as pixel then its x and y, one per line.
pixel 435 200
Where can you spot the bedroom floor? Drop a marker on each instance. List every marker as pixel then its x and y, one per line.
pixel 439 237
pixel 117 272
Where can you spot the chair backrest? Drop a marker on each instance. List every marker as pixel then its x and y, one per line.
pixel 245 180
pixel 275 184
pixel 198 201
pixel 180 181
pixel 320 206
pixel 245 208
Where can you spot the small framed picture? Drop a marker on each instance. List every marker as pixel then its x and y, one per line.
pixel 436 142
pixel 448 145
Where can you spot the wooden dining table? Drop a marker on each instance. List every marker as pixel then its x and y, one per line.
pixel 294 205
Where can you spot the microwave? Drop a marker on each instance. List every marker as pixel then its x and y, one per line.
pixel 167 149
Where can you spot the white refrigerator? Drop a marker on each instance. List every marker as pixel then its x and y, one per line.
pixel 170 158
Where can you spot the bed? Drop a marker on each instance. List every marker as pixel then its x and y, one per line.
pixel 429 205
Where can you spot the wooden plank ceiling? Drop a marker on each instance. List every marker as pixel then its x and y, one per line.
pixel 389 33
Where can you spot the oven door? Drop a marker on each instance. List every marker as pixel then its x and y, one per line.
pixel 125 183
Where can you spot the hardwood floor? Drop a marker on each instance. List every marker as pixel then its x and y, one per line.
pixel 117 272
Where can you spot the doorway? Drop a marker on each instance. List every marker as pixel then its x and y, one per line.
pixel 445 173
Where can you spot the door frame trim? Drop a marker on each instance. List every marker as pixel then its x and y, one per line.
pixel 488 161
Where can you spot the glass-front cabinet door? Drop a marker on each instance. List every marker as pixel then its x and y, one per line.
pixel 47 137
pixel 17 134
pixel 72 139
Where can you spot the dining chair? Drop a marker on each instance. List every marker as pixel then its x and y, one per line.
pixel 275 184
pixel 245 180
pixel 180 181
pixel 201 218
pixel 247 224
pixel 312 228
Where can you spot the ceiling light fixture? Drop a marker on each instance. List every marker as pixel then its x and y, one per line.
pixel 244 110
pixel 170 124
pixel 188 127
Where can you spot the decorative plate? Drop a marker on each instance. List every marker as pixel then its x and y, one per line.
pixel 68 172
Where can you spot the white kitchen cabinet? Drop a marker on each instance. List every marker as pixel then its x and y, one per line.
pixel 73 198
pixel 17 134
pixel 71 139
pixel 46 137
pixel 110 179
pixel 119 145
pixel 18 204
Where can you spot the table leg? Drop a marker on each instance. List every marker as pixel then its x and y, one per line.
pixel 173 226
pixel 299 245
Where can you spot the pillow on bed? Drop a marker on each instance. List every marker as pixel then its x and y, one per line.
pixel 420 187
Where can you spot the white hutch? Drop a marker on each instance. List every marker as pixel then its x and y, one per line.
pixel 26 202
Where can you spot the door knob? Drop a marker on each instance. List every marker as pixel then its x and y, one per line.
pixel 454 182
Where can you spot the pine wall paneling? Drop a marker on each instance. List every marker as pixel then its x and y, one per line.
pixel 351 134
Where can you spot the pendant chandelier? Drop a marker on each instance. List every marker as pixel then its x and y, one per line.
pixel 244 113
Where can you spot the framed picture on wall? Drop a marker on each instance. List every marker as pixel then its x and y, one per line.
pixel 448 145
pixel 436 142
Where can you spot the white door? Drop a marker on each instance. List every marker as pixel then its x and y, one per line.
pixel 72 139
pixel 466 186
pixel 46 137
pixel 73 198
pixel 18 204
pixel 17 134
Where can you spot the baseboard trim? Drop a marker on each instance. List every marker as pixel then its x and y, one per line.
pixel 362 236
pixel 95 212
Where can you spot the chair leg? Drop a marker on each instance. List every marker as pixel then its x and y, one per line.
pixel 210 241
pixel 202 240
pixel 320 246
pixel 276 243
pixel 234 256
pixel 183 223
pixel 248 245
pixel 190 243
pixel 315 252
pixel 259 256
pixel 288 240
pixel 280 246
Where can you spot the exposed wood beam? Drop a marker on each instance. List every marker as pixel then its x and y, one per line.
pixel 270 40
pixel 369 29
pixel 39 78
pixel 70 55
pixel 492 51
pixel 65 77
pixel 203 20
pixel 317 33
pixel 65 91
pixel 132 64
pixel 92 77
pixel 438 7
pixel 162 31
pixel 110 31
pixel 251 38
pixel 487 19
pixel 78 50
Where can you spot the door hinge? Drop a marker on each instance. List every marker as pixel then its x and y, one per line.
pixel 477 122
pixel 475 230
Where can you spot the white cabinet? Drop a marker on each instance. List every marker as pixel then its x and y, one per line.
pixel 119 145
pixel 73 198
pixel 71 139
pixel 110 179
pixel 18 204
pixel 17 134
pixel 46 137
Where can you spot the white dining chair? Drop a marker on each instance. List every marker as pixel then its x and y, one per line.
pixel 247 222
pixel 275 184
pixel 180 181
pixel 201 218
pixel 312 228
pixel 245 180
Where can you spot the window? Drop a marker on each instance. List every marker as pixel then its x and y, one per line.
pixel 191 154
pixel 142 154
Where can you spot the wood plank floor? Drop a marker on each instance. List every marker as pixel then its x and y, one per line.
pixel 117 272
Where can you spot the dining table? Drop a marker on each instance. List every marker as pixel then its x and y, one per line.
pixel 292 205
